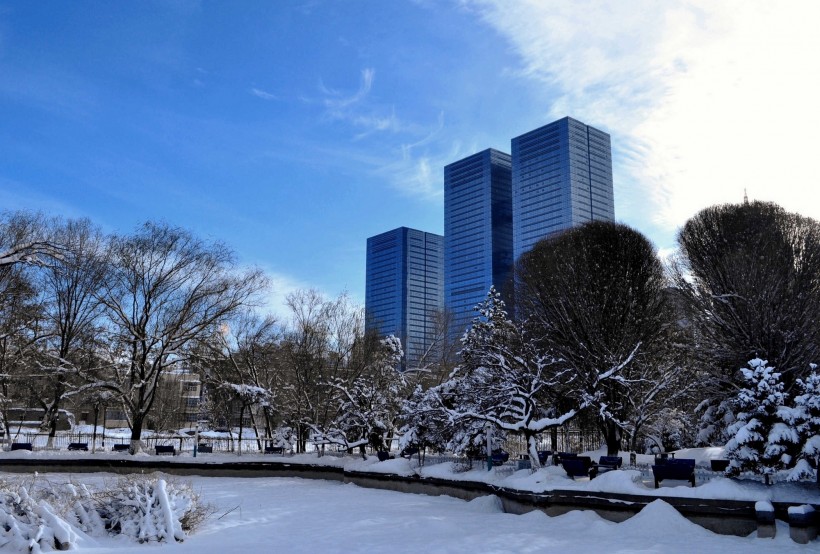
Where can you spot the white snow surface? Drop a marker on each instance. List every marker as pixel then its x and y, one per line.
pixel 300 515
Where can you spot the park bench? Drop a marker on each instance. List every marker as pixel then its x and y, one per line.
pixel 275 450
pixel 561 456
pixel 205 448
pixel 409 451
pixel 577 466
pixel 163 449
pixel 500 457
pixel 21 446
pixel 121 447
pixel 384 455
pixel 682 469
pixel 78 446
pixel 543 456
pixel 605 463
pixel 719 465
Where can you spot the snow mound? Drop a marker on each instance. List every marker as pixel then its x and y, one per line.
pixel 627 481
pixel 486 505
pixel 584 521
pixel 659 518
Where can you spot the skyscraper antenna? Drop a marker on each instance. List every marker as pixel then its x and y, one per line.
pixel 745 197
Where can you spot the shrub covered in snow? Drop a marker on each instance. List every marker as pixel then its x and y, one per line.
pixel 38 516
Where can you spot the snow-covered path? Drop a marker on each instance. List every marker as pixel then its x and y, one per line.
pixel 300 515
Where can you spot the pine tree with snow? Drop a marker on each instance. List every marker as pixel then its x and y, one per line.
pixel 807 420
pixel 763 438
pixel 509 381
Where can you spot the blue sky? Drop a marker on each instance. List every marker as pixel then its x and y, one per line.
pixel 294 130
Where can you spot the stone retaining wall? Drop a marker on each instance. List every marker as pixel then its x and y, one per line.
pixel 730 517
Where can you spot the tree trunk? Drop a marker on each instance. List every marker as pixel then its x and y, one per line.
pixel 241 427
pixel 136 434
pixel 613 434
pixel 532 449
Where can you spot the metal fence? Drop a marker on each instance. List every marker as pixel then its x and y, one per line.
pixel 103 442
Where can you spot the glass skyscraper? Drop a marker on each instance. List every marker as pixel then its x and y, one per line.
pixel 405 287
pixel 561 177
pixel 478 232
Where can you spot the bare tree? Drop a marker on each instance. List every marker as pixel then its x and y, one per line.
pixel 594 296
pixel 21 331
pixel 70 288
pixel 440 355
pixel 241 365
pixel 22 240
pixel 317 348
pixel 166 290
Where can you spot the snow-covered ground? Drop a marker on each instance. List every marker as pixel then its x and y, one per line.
pixel 299 515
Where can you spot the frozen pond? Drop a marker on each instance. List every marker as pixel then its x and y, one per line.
pixel 300 515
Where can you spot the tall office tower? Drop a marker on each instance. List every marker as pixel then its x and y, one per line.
pixel 478 232
pixel 561 177
pixel 405 288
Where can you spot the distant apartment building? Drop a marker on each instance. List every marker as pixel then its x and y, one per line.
pixel 561 177
pixel 405 288
pixel 177 405
pixel 478 232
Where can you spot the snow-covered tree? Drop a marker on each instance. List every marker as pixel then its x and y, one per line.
pixel 506 380
pixel 762 438
pixel 368 404
pixel 425 424
pixel 807 421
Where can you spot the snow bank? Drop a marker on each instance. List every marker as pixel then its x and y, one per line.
pixel 659 519
pixel 490 504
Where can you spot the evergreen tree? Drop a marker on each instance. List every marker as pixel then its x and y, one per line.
pixel 762 439
pixel 807 420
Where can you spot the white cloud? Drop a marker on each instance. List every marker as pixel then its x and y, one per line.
pixel 335 102
pixel 264 95
pixel 703 99
pixel 281 285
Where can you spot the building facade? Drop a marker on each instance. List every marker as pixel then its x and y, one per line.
pixel 561 177
pixel 478 232
pixel 405 288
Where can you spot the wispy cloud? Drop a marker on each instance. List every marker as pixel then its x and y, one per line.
pixel 702 98
pixel 264 95
pixel 407 163
pixel 336 102
pixel 356 110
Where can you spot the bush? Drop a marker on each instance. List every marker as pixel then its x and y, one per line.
pixel 37 515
